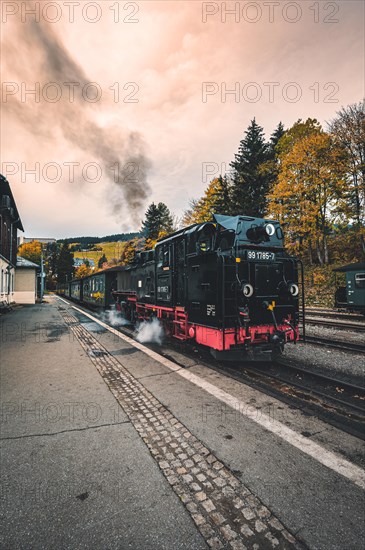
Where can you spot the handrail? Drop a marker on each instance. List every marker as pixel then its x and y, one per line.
pixel 303 295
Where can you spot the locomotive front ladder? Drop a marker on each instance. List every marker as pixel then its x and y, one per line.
pixel 180 325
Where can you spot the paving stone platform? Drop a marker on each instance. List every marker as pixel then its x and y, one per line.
pixel 226 513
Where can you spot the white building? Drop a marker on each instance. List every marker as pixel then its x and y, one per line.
pixel 43 240
pixel 10 222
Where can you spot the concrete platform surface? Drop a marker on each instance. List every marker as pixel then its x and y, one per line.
pixel 104 445
pixel 74 472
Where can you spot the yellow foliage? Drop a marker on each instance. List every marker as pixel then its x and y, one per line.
pixel 83 271
pixel 203 209
pixel 318 278
pixel 311 178
pixel 129 252
pixel 31 251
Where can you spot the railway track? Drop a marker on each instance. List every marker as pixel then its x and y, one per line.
pixel 346 394
pixel 338 402
pixel 347 325
pixel 331 314
pixel 353 347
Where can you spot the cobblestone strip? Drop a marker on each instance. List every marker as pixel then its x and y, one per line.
pixel 226 513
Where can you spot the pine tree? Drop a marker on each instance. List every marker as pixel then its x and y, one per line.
pixel 158 222
pixel 102 260
pixel 65 264
pixel 52 252
pixel 50 264
pixel 166 221
pixel 275 137
pixel 221 196
pixel 150 225
pixel 250 181
pixel 271 167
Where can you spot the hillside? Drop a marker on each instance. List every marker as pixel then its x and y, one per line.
pixel 100 240
pixel 110 249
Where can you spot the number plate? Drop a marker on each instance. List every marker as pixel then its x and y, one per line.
pixel 260 255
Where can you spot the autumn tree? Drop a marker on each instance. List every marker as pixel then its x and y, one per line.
pixel 31 251
pixel 250 181
pixel 348 129
pixel 83 271
pixel 310 180
pixel 297 132
pixel 129 252
pixel 216 200
pixel 65 264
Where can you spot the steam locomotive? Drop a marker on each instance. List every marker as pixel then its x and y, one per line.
pixel 226 284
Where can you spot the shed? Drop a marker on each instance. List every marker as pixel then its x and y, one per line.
pixel 25 291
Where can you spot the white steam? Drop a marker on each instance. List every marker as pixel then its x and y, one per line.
pixel 114 318
pixel 150 331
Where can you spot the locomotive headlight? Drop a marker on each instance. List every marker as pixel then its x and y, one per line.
pixel 270 229
pixel 247 290
pixel 294 289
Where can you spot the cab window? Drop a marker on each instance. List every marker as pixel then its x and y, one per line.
pixel 360 280
pixel 166 256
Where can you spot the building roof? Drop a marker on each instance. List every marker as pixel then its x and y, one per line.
pixel 22 262
pixel 358 266
pixel 5 190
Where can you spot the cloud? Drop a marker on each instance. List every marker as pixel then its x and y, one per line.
pixel 120 152
pixel 164 58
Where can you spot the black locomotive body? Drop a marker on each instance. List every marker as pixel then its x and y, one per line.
pixel 227 284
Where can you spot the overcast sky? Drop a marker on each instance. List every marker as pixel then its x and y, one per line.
pixel 158 122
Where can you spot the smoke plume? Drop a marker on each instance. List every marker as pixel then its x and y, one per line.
pixel 41 56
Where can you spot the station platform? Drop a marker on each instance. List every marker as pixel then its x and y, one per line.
pixel 105 444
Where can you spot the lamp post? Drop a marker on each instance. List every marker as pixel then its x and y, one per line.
pixel 42 275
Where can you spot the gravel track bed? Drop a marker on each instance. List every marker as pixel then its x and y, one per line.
pixel 341 335
pixel 349 367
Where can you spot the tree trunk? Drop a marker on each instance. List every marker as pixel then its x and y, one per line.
pixel 362 244
pixel 319 252
pixel 325 249
pixel 310 252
